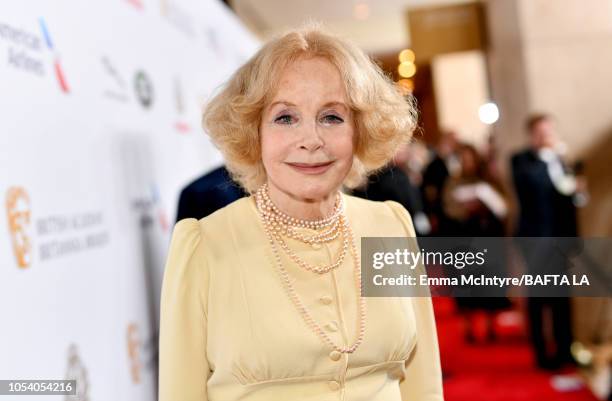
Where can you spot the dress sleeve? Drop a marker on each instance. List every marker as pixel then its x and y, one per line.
pixel 183 364
pixel 422 372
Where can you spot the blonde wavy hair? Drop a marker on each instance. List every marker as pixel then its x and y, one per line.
pixel 384 118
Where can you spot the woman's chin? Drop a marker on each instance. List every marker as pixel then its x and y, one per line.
pixel 313 192
pixel 310 187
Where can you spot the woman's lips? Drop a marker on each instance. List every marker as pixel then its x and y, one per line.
pixel 314 168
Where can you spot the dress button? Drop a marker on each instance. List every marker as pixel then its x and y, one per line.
pixel 316 246
pixel 334 385
pixel 326 300
pixel 335 355
pixel 331 326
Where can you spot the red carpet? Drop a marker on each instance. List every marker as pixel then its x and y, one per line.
pixel 503 370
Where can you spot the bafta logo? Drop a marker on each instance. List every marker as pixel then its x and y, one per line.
pixel 76 371
pixel 18 217
pixel 134 344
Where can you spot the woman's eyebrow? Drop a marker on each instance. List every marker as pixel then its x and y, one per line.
pixel 328 104
pixel 286 103
pixel 336 103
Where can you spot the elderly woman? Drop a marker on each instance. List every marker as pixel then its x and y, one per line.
pixel 261 300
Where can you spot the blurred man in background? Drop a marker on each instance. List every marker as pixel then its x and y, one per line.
pixel 393 183
pixel 205 195
pixel 444 163
pixel 545 189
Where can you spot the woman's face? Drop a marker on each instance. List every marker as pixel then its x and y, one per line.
pixel 307 131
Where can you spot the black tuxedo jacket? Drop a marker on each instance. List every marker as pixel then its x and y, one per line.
pixel 207 194
pixel 544 211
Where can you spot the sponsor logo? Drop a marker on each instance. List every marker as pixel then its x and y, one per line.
pixel 179 101
pixel 143 87
pixel 160 211
pixel 117 88
pixel 136 3
pixel 59 72
pixel 56 235
pixel 63 235
pixel 151 210
pixel 18 217
pixel 24 49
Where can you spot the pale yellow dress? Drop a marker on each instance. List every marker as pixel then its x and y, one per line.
pixel 229 332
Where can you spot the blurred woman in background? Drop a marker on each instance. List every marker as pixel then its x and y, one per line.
pixel 475 207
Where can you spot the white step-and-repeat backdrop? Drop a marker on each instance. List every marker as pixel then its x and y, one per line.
pixel 100 105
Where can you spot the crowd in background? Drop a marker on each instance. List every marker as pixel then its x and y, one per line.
pixel 455 189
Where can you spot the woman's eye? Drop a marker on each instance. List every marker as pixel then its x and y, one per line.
pixel 284 119
pixel 332 119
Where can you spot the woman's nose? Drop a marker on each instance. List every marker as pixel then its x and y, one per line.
pixel 311 138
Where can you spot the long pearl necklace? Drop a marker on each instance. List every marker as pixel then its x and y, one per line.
pixel 276 222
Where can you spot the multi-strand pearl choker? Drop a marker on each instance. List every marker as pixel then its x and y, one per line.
pixel 270 211
pixel 280 224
